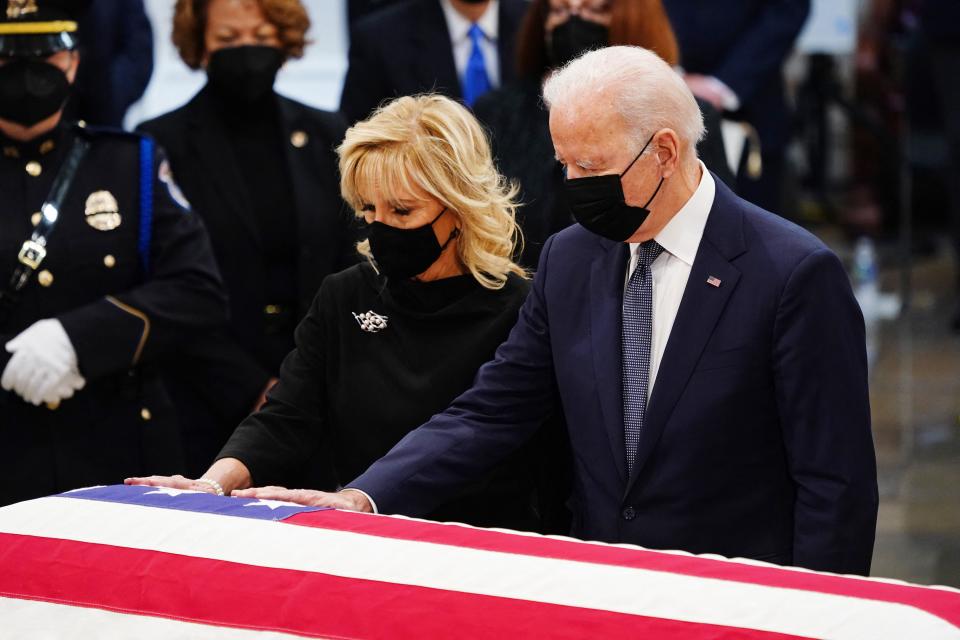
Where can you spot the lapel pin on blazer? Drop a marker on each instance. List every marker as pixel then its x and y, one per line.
pixel 713 281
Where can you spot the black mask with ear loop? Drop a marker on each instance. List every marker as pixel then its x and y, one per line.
pixel 598 204
pixel 405 253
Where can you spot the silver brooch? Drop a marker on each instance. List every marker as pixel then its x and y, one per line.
pixel 370 321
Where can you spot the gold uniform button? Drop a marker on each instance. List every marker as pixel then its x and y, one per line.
pixel 299 139
pixel 45 278
pixel 109 261
pixel 33 168
pixel 35 218
pixel 145 414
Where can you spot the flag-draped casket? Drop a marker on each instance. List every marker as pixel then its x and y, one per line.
pixel 123 562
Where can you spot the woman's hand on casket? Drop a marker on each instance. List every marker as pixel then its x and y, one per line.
pixel 347 499
pixel 223 476
pixel 172 482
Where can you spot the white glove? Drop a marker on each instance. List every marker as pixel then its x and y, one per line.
pixel 43 367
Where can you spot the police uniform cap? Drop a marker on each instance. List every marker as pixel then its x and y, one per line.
pixel 39 28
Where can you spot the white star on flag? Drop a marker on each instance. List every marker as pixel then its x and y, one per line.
pixel 167 491
pixel 273 504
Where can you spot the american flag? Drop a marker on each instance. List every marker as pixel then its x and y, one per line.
pixel 141 562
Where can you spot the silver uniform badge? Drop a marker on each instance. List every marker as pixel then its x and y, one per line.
pixel 370 321
pixel 102 211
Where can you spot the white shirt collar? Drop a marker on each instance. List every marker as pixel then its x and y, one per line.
pixel 459 27
pixel 681 236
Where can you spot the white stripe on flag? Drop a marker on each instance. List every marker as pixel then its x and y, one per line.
pixel 40 620
pixel 578 584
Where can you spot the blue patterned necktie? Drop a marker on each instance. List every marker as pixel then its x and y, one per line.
pixel 475 79
pixel 636 340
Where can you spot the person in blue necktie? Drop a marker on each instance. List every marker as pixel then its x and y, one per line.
pixel 458 48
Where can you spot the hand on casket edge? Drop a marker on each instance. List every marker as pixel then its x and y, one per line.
pixel 172 482
pixel 345 499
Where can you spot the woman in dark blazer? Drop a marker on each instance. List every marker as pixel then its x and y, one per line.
pixel 260 170
pixel 391 341
pixel 551 35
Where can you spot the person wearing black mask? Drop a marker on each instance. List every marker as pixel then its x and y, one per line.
pixel 101 274
pixel 392 340
pixel 553 33
pixel 260 170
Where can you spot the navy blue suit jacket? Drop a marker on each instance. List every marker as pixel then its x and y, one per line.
pixel 743 43
pixel 757 440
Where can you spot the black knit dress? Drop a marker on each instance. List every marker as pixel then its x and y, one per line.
pixel 374 360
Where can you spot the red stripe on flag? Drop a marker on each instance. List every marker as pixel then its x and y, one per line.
pixel 938 602
pixel 237 595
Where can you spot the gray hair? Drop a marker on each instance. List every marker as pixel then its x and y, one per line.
pixel 647 92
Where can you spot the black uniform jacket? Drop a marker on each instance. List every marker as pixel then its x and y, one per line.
pixel 231 369
pixel 405 49
pixel 119 314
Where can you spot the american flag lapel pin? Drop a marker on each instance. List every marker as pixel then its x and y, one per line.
pixel 713 281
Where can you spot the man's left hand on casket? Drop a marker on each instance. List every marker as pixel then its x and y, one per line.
pixel 347 499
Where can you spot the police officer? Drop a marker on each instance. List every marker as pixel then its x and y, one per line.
pixel 101 273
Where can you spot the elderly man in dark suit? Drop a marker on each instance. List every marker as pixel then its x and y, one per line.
pixel 707 355
pixel 460 48
pixel 733 53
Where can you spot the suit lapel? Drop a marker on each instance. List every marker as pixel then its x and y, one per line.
pixel 700 309
pixel 606 299
pixel 210 145
pixel 434 67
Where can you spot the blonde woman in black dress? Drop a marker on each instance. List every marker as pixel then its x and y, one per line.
pixel 393 340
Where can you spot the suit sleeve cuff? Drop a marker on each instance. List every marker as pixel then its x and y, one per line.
pixel 373 505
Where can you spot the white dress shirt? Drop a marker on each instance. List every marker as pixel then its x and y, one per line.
pixel 459 28
pixel 680 240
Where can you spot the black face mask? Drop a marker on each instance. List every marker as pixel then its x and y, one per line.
pixel 31 90
pixel 574 37
pixel 244 74
pixel 598 204
pixel 404 253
